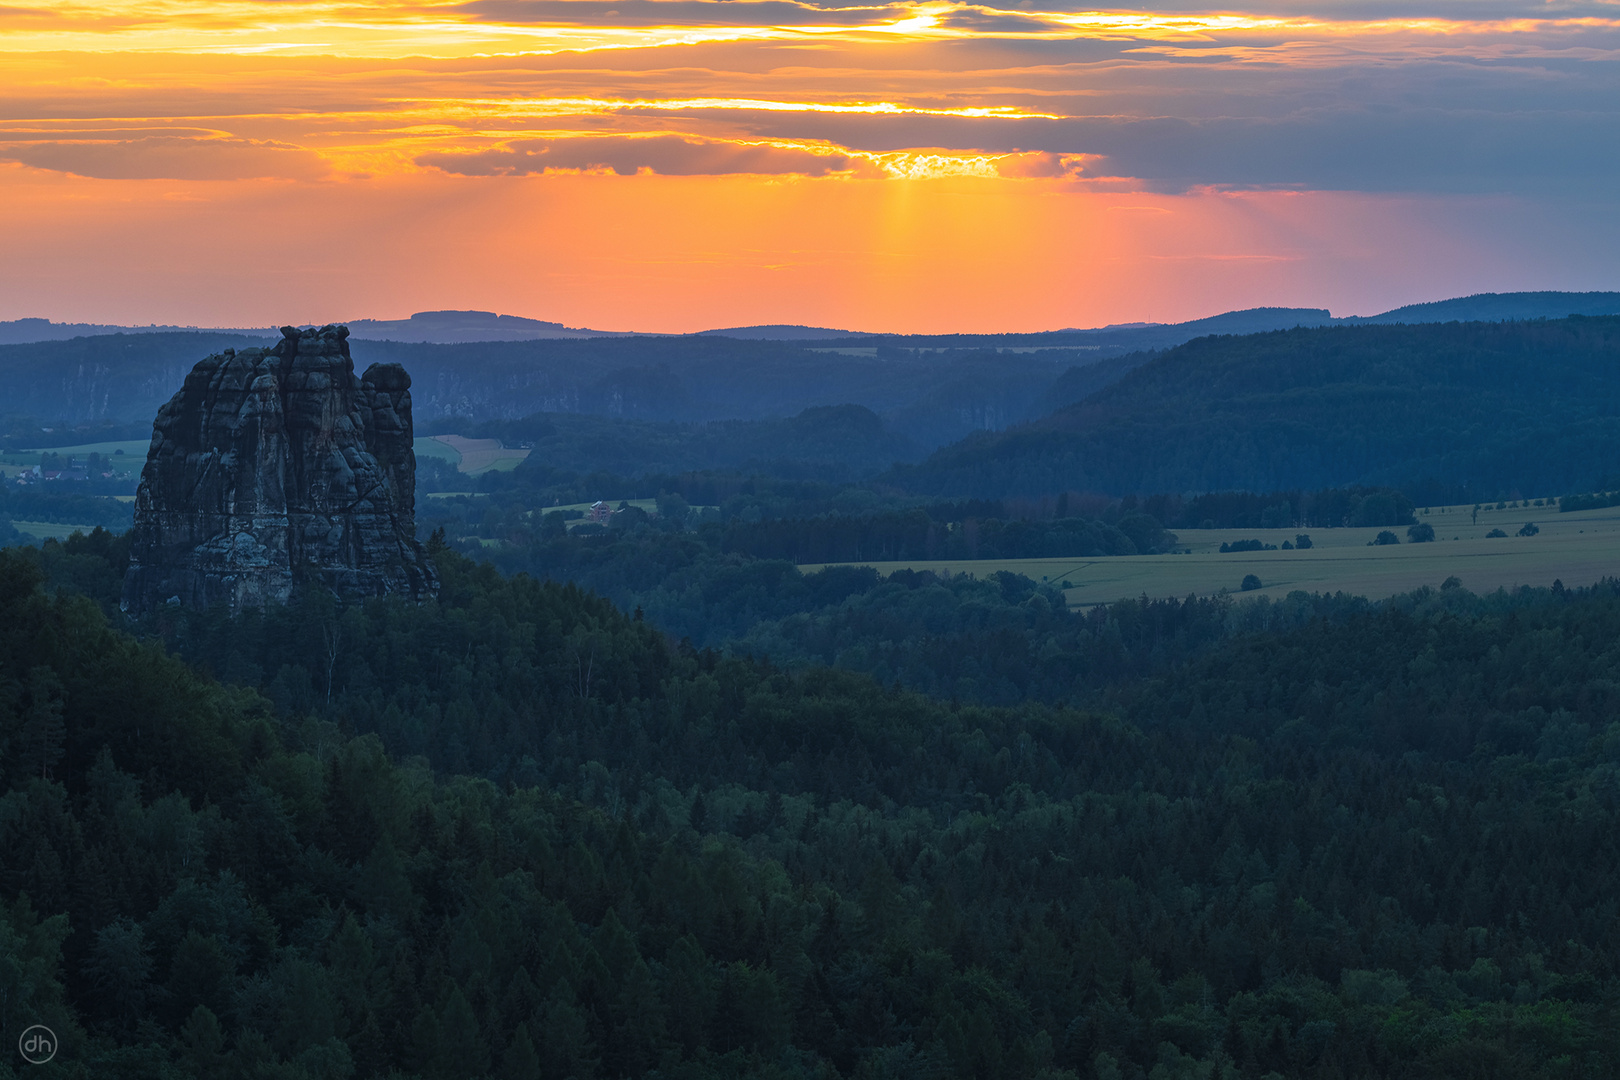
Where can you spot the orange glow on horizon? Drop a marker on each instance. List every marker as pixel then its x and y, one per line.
pixel 674 254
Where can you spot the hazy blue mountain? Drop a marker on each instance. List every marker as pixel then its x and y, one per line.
pixel 27 331
pixel 441 327
pixel 1106 340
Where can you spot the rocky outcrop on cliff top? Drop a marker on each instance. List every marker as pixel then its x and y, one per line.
pixel 276 468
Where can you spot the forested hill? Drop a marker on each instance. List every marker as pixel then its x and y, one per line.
pixel 1468 410
pixel 516 833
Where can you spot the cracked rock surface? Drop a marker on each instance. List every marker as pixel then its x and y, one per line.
pixel 277 468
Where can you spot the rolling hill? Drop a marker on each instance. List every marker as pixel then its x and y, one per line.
pixel 1471 410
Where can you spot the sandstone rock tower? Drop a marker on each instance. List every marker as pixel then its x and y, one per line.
pixel 276 468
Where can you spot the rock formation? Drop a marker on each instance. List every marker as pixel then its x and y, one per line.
pixel 276 468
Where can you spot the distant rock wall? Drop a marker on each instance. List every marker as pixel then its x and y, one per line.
pixel 276 468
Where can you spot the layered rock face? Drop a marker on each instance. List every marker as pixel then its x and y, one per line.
pixel 276 468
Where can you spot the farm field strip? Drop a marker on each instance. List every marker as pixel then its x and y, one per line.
pixel 132 448
pixel 1577 548
pixel 50 530
pixel 474 456
pixel 435 448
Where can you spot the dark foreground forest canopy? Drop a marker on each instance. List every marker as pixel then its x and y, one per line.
pixel 518 833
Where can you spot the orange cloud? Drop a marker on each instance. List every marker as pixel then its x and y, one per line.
pixel 665 155
pixel 167 156
pixel 483 27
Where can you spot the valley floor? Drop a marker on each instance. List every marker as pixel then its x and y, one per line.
pixel 1578 549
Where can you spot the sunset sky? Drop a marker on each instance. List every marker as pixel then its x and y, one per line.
pixel 681 164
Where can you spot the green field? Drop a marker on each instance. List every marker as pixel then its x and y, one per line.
pixel 50 530
pixel 1576 548
pixel 428 447
pixel 134 452
pixel 471 456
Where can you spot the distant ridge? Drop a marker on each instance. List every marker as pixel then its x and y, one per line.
pixel 1249 321
pixel 463 327
pixel 1259 320
pixel 27 331
pixel 424 327
pixel 781 332
pixel 1500 307
pixel 455 327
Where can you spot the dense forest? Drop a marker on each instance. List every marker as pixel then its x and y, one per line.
pixel 517 832
pixel 727 578
pixel 68 507
pixel 841 442
pixel 103 387
pixel 513 506
pixel 648 799
pixel 1448 413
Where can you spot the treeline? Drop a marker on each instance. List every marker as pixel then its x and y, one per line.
pixel 31 433
pixel 1376 842
pixel 1000 639
pixel 1329 508
pixel 1597 500
pixel 536 484
pixel 918 535
pixel 42 502
pixel 687 585
pixel 500 504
